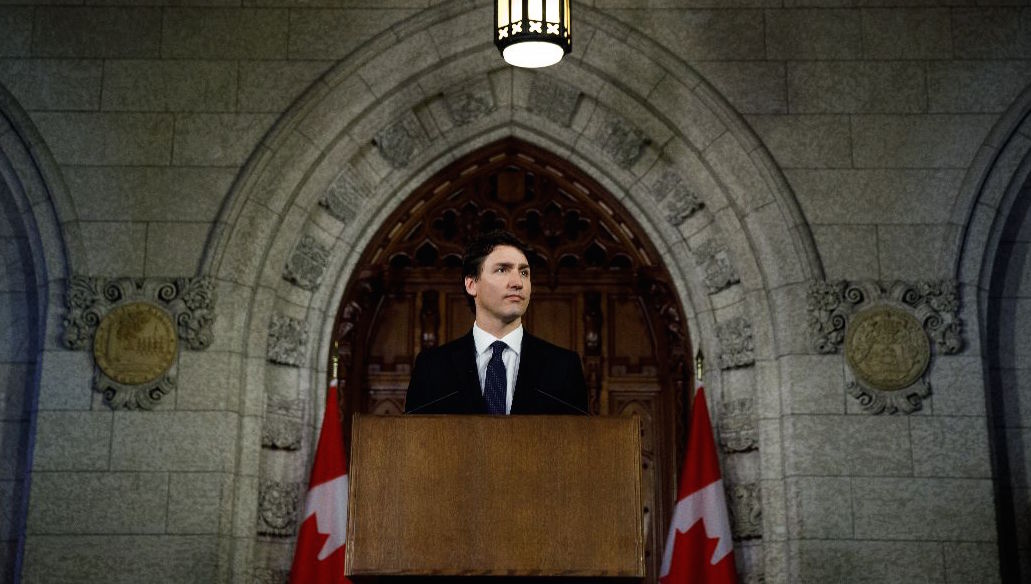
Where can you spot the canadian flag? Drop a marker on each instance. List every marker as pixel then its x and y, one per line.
pixel 319 555
pixel 699 548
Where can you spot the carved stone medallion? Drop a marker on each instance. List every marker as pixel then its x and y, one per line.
pixel 887 348
pixel 135 343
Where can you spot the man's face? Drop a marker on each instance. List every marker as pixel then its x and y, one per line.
pixel 502 292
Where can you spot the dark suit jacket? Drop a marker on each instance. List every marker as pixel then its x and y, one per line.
pixel 444 381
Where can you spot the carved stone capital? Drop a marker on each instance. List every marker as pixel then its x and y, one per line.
pixel 553 100
pixel 746 512
pixel 720 273
pixel 737 346
pixel 287 340
pixel 678 202
pixel 307 263
pixel 278 505
pixel 400 141
pixel 188 302
pixel 739 430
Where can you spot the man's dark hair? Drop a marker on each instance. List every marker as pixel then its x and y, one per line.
pixel 481 247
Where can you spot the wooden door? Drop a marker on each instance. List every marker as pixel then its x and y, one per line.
pixel 598 288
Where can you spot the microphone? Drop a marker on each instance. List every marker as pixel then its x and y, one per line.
pixel 428 404
pixel 563 402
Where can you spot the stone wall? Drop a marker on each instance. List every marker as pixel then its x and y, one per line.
pixel 826 143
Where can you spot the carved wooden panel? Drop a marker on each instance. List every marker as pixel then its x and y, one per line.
pixel 554 318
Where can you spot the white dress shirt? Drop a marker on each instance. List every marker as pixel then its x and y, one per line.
pixel 514 342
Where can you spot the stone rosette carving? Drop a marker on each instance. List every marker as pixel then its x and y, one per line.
pixel 287 340
pixel 737 346
pixel 622 141
pixel 345 197
pixel 553 100
pixel 889 332
pixel 307 263
pixel 399 142
pixel 746 514
pixel 714 257
pixel 188 304
pixel 468 106
pixel 739 430
pixel 677 201
pixel 278 504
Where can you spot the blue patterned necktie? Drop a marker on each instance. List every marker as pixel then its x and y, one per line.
pixel 495 382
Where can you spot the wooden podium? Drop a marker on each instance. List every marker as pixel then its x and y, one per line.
pixel 495 496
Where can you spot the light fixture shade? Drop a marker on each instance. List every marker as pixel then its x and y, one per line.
pixel 532 33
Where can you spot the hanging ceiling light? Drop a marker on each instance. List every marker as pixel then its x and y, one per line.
pixel 532 33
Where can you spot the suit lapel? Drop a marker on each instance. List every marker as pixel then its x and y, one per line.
pixel 529 372
pixel 463 359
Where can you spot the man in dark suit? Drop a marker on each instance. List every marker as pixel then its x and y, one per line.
pixel 497 368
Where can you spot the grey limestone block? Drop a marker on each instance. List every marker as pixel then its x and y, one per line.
pixel 19 382
pixel 97 502
pixel 975 86
pixel 173 86
pixel 751 87
pixel 930 141
pixel 703 34
pixel 173 441
pixel 15 436
pixel 390 67
pixel 225 33
pixel 957 389
pixel 856 87
pixel 991 33
pixel 848 446
pixel 17 315
pixel 819 507
pixel 271 86
pixel 218 139
pixel 97 139
pixel 115 249
pixel 876 196
pixel 156 559
pixel 148 193
pixel 16 22
pixel 65 382
pixel 196 502
pixel 72 441
pixel 924 509
pixel 207 380
pixel 950 447
pixel 15 272
pixel 813 384
pixel 333 33
pixel 806 141
pixel 907 33
pixel 910 252
pixel 869 562
pixel 107 32
pixel 175 248
pixel 611 56
pixel 691 115
pixel 798 34
pixel 44 84
pixel 10 505
pixel 848 252
pixel 971 563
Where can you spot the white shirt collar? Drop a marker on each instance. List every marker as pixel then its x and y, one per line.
pixel 483 339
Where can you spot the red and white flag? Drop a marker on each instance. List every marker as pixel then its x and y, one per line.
pixel 699 548
pixel 319 555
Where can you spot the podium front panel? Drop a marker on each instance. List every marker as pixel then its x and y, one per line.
pixel 495 495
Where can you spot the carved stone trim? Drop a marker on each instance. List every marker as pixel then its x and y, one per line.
pixel 399 142
pixel 746 512
pixel 931 305
pixel 468 106
pixel 739 431
pixel 345 197
pixel 553 100
pixel 281 433
pixel 622 141
pixel 287 340
pixel 189 302
pixel 720 273
pixel 307 264
pixel 278 505
pixel 737 346
pixel 678 202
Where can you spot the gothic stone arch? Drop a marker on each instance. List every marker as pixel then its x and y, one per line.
pixel 630 114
